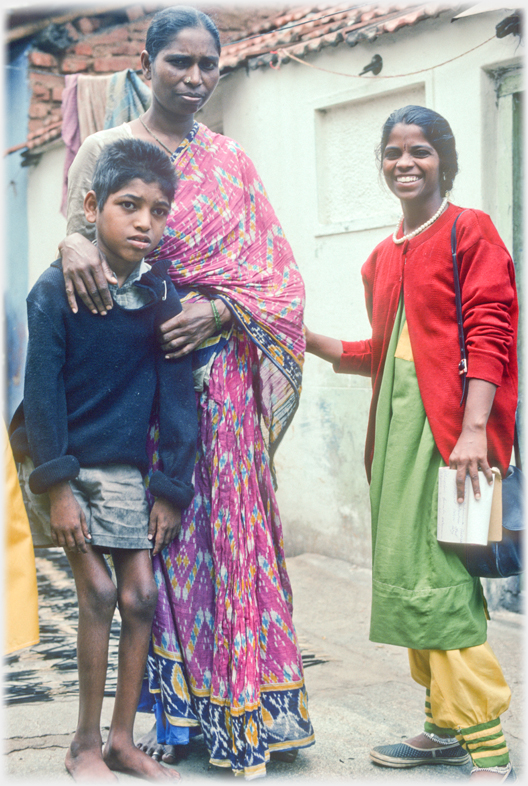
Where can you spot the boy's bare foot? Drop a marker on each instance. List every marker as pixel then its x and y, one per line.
pixel 86 764
pixel 131 760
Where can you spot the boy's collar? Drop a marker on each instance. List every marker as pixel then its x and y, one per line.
pixel 133 276
pixel 159 268
pixel 155 277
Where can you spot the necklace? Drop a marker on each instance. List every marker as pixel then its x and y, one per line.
pixel 425 226
pixel 145 126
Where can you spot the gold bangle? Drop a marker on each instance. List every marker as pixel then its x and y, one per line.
pixel 216 315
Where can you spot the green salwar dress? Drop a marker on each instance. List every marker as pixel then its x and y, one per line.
pixel 422 595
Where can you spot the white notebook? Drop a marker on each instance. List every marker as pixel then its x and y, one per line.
pixel 474 520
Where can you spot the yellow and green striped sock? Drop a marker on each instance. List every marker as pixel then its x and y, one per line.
pixel 485 744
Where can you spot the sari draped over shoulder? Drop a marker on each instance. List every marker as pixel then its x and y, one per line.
pixel 224 658
pixel 224 239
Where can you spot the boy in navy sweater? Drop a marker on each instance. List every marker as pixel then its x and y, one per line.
pixel 81 434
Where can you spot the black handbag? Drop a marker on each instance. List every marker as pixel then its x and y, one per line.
pixel 503 558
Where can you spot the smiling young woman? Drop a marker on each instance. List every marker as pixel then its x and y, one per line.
pixel 411 167
pixel 423 598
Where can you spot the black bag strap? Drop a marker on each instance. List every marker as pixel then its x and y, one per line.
pixel 516 448
pixel 462 366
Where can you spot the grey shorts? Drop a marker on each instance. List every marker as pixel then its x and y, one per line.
pixel 112 499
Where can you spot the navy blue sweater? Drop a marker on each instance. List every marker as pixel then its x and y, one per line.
pixel 91 383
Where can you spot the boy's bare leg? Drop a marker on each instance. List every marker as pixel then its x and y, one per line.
pixel 137 596
pixel 97 598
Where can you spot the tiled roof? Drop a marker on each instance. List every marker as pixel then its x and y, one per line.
pixel 309 29
pixel 300 31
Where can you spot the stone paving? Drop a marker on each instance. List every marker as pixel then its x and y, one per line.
pixel 360 693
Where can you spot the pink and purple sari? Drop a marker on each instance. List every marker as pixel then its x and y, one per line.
pixel 224 658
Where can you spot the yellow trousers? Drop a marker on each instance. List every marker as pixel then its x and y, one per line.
pixel 20 577
pixel 466 694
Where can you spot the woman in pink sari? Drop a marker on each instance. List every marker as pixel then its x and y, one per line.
pixel 224 659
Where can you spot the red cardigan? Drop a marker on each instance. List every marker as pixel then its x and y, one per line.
pixel 424 267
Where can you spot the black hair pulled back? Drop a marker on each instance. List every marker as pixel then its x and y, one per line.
pixel 438 133
pixel 166 24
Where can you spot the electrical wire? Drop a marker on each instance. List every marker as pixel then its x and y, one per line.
pixel 368 76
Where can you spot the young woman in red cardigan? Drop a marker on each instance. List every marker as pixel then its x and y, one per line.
pixel 423 598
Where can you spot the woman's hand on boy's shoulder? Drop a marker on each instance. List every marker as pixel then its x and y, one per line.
pixel 87 273
pixel 164 524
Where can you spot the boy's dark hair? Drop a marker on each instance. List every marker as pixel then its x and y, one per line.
pixel 127 159
pixel 166 24
pixel 436 130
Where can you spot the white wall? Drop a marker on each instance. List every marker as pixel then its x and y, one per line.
pixel 47 225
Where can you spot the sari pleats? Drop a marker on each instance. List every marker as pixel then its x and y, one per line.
pixel 224 652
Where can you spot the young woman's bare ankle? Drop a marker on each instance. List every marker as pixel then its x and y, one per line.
pixel 422 742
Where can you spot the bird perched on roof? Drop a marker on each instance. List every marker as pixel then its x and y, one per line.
pixel 375 65
pixel 511 25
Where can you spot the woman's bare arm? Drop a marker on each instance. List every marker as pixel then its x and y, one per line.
pixel 86 272
pixel 325 347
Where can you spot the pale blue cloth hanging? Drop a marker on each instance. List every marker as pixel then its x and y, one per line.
pixel 127 97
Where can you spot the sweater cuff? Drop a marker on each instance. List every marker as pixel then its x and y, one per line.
pixel 19 443
pixel 180 494
pixel 486 367
pixel 353 364
pixel 54 471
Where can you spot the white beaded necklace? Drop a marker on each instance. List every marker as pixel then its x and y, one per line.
pixel 425 226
